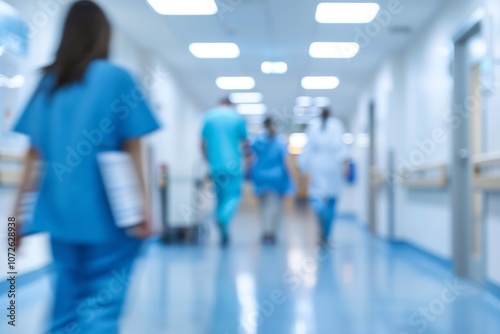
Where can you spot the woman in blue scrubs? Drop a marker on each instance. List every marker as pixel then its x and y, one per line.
pixel 271 178
pixel 84 105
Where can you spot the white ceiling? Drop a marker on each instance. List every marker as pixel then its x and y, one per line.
pixel 280 30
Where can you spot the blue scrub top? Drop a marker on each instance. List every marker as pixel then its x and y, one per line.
pixel 69 127
pixel 223 131
pixel 269 172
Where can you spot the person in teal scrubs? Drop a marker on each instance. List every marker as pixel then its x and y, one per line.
pixel 224 142
pixel 84 105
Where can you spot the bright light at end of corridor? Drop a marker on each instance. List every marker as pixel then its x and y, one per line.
pixel 320 82
pixel 184 7
pixel 333 50
pixel 279 67
pixel 251 109
pixel 346 12
pixel 214 50
pixel 245 97
pixel 304 101
pixel 296 142
pixel 236 83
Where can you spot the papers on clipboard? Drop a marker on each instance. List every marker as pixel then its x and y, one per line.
pixel 122 187
pixel 28 203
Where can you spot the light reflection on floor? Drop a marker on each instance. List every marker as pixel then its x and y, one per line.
pixel 358 286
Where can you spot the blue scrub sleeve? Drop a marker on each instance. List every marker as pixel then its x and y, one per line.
pixel 31 119
pixel 243 129
pixel 136 119
pixel 289 188
pixel 204 130
pixel 284 150
pixel 256 145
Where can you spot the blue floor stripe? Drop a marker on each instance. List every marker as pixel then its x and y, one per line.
pixel 25 279
pixel 446 263
pixel 493 289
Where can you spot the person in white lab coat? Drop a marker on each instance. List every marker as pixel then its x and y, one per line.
pixel 324 159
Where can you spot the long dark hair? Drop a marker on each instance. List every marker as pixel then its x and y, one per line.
pixel 86 37
pixel 325 114
pixel 269 125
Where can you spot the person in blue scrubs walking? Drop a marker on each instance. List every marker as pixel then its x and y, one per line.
pixel 224 144
pixel 84 105
pixel 324 159
pixel 271 178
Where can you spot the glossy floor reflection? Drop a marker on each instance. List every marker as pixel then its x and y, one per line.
pixel 359 286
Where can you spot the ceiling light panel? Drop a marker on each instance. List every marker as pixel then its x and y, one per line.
pixel 184 7
pixel 214 50
pixel 333 50
pixel 245 97
pixel 251 109
pixel 346 12
pixel 304 101
pixel 269 67
pixel 320 82
pixel 235 83
pixel 321 102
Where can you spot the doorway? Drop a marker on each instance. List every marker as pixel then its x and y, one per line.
pixel 468 222
pixel 372 163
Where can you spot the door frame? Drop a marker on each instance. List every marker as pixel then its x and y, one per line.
pixel 391 195
pixel 461 171
pixel 372 163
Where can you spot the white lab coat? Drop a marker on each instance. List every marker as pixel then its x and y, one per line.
pixel 323 158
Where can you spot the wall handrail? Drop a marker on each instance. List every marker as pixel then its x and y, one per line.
pixel 11 156
pixel 417 178
pixel 429 166
pixel 377 177
pixel 486 159
pixel 481 181
pixel 11 176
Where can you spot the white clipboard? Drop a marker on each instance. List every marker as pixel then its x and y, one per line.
pixel 122 187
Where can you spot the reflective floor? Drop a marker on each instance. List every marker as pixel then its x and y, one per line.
pixel 359 285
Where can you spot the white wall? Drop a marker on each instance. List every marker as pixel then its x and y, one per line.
pixel 408 114
pixel 35 252
pixel 355 197
pixel 413 93
pixel 427 62
pixel 382 95
pixel 177 144
pixel 492 144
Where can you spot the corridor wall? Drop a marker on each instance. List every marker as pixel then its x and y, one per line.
pixel 492 144
pixel 413 121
